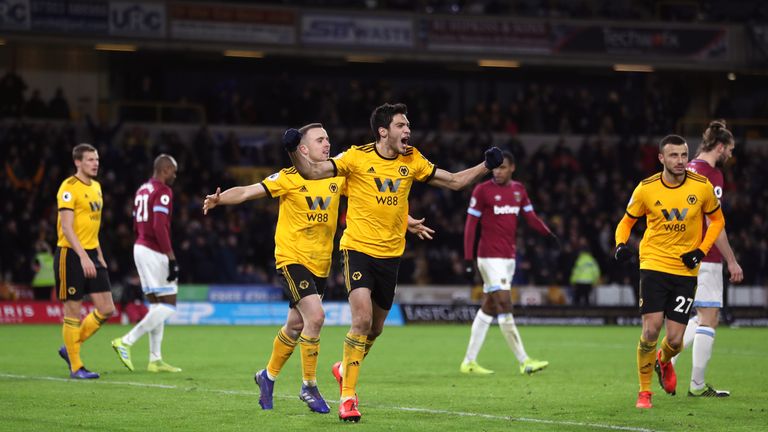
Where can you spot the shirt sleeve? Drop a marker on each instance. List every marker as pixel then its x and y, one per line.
pixel 161 211
pixel 344 162
pixel 525 203
pixel 277 184
pixel 476 203
pixel 65 198
pixel 163 202
pixel 423 169
pixel 711 200
pixel 636 206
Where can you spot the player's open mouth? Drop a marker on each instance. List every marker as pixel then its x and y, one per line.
pixel 404 141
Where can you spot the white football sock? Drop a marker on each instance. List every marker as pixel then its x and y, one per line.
pixel 702 352
pixel 479 329
pixel 509 330
pixel 150 321
pixel 690 332
pixel 163 311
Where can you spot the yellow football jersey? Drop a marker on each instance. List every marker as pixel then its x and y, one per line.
pixel 306 223
pixel 377 214
pixel 86 201
pixel 674 216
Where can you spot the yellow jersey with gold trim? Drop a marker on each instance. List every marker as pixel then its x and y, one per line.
pixel 674 216
pixel 377 211
pixel 86 202
pixel 306 223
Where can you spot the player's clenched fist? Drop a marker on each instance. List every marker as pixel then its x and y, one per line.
pixel 291 139
pixel 493 158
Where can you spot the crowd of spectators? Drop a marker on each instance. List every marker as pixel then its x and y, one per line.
pixel 579 192
pixel 14 103
pixel 530 101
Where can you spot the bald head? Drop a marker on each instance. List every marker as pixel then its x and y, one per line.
pixel 165 168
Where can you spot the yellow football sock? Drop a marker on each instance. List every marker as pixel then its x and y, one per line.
pixel 71 334
pixel 667 352
pixel 368 345
pixel 310 349
pixel 354 351
pixel 91 324
pixel 646 359
pixel 282 348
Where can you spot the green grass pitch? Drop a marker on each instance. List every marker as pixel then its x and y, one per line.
pixel 410 381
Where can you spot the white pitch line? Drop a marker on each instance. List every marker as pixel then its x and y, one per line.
pixel 395 408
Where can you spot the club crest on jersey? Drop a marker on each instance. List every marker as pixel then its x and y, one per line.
pixel 692 199
pixel 357 275
pixel 303 284
pixel 333 187
pixel 403 170
pixel 497 197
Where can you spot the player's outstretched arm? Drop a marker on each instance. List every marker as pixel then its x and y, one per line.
pixel 416 226
pixel 235 195
pixel 308 169
pixel 462 179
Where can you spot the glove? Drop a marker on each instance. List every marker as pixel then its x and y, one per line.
pixel 622 252
pixel 554 241
pixel 291 139
pixel 469 270
pixel 493 158
pixel 173 271
pixel 693 258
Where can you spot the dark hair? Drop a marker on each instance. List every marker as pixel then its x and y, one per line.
pixel 508 156
pixel 714 134
pixel 305 128
pixel 670 139
pixel 382 116
pixel 77 152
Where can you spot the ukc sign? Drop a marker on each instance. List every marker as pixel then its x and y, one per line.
pixel 14 14
pixel 137 19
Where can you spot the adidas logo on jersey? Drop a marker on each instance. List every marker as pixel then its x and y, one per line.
pixel 506 209
pixel 658 203
pixel 303 189
pixel 371 170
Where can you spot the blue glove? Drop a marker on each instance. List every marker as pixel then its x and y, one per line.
pixel 291 139
pixel 493 158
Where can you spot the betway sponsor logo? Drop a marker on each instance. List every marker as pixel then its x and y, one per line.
pixel 506 209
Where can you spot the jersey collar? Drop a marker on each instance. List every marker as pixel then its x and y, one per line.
pixel 661 177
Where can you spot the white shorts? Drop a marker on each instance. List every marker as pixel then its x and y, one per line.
pixel 497 273
pixel 153 271
pixel 709 293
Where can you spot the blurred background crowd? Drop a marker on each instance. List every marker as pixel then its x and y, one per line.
pixel 580 190
pixel 582 133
